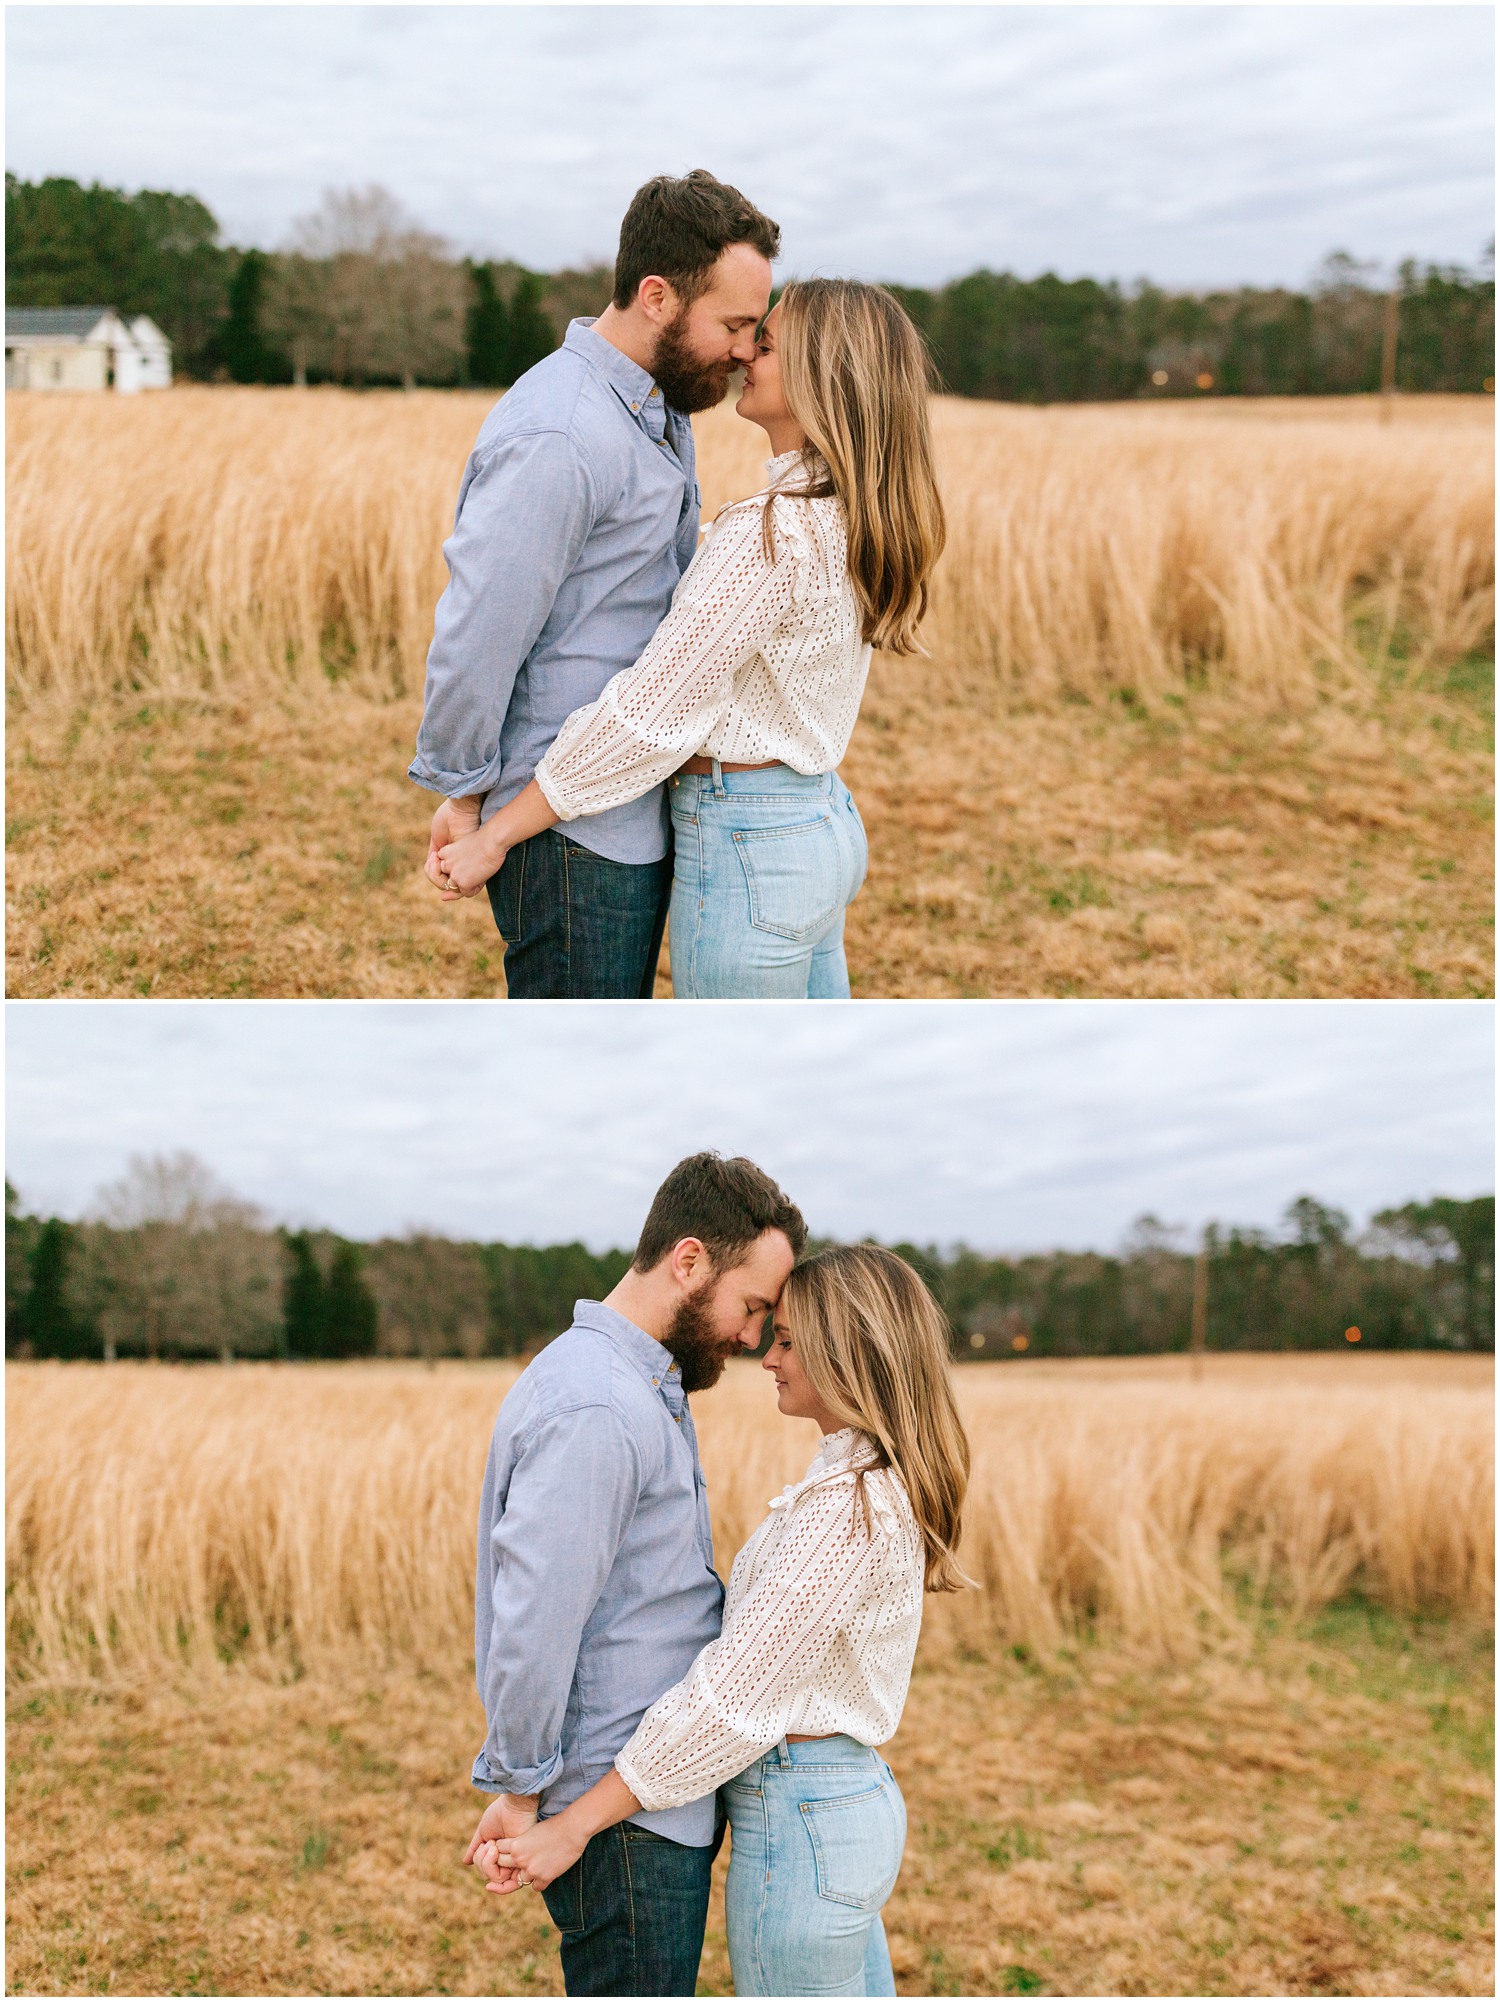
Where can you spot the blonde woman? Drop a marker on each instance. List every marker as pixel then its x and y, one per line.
pixel 784 1710
pixel 747 694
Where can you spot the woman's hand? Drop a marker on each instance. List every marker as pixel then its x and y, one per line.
pixel 468 863
pixel 453 819
pixel 543 1853
pixel 507 1814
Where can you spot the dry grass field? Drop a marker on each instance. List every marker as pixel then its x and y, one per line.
pixel 1216 1722
pixel 1206 711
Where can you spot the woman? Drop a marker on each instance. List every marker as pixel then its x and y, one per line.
pixel 784 1710
pixel 747 694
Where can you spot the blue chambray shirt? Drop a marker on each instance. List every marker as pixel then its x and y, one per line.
pixel 596 1586
pixel 577 515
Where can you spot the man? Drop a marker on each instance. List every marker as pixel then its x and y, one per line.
pixel 577 515
pixel 596 1585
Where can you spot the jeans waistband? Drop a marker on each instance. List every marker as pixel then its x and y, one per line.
pixel 768 779
pixel 838 1750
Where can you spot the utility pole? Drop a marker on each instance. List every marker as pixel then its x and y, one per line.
pixel 1388 354
pixel 1199 1335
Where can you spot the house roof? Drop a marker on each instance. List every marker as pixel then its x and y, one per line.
pixel 65 323
pixel 147 333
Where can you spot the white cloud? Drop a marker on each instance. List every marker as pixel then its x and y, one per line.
pixel 1197 144
pixel 1012 1125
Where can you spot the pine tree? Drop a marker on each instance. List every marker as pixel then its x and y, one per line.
pixel 48 1321
pixel 352 1316
pixel 487 331
pixel 530 336
pixel 242 342
pixel 305 1307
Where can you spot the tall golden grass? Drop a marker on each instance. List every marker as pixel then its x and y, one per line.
pixel 217 539
pixel 273 1515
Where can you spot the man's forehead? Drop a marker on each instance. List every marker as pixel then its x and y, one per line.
pixel 769 1258
pixel 742 279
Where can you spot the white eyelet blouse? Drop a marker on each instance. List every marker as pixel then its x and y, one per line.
pixel 820 1629
pixel 760 659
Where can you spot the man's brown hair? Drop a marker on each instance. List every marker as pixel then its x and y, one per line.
pixel 726 1205
pixel 678 229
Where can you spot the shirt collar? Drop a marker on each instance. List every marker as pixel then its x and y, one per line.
pixel 838 1447
pixel 629 381
pixel 648 1356
pixel 785 464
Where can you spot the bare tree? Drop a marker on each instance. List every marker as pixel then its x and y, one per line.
pixel 175 1262
pixel 364 291
pixel 433 1296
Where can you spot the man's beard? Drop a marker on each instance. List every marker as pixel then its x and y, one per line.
pixel 685 381
pixel 701 1354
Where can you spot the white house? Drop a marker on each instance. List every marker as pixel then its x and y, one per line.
pixel 84 347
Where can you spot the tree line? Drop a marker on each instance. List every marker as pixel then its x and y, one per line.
pixel 172 1266
pixel 362 295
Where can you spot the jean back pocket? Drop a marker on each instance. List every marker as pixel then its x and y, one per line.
pixel 857 1842
pixel 794 875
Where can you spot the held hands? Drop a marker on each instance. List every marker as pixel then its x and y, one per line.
pixel 504 1816
pixel 468 863
pixel 541 1854
pixel 454 819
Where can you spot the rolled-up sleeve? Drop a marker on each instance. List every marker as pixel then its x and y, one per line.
pixel 524 513
pixel 572 1491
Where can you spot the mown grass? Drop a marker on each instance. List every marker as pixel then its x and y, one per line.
pixel 1312 1818
pixel 273 848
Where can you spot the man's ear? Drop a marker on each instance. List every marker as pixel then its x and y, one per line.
pixel 656 299
pixel 689 1261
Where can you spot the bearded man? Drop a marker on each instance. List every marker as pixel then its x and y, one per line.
pixel 577 516
pixel 596 1586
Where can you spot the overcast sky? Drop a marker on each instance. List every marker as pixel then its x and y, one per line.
pixel 1011 1126
pixel 1196 145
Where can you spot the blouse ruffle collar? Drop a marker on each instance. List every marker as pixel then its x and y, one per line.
pixel 786 464
pixel 837 1452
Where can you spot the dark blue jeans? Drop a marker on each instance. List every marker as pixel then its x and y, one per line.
pixel 576 926
pixel 631 1912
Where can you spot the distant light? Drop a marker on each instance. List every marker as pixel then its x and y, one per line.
pixel 1160 377
pixel 976 1341
pixel 1351 1334
pixel 1020 1342
pixel 1489 383
pixel 1205 382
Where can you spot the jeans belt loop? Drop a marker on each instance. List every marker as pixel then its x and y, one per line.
pixel 718 776
pixel 783 1753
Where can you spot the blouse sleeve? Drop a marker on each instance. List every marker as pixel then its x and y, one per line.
pixel 652 717
pixel 755 1682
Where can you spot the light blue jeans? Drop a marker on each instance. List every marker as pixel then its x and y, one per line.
pixel 817 1832
pixel 765 864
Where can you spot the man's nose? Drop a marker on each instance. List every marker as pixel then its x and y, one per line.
pixel 743 349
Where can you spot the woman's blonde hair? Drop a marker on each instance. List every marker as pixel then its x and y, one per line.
pixel 856 377
pixel 873 1344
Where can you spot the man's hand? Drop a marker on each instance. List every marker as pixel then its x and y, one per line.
pixel 453 820
pixel 543 1853
pixel 469 863
pixel 506 1816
